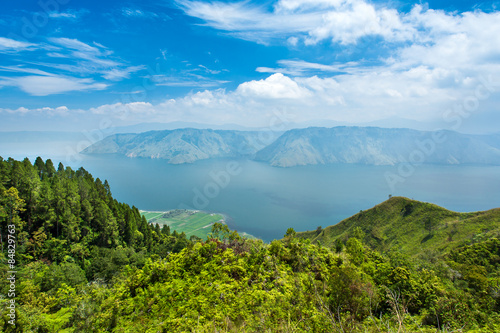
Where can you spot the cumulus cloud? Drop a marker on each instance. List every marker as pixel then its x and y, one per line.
pixel 276 86
pixel 341 21
pixel 435 58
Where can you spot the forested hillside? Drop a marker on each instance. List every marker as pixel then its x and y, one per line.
pixel 86 263
pixel 69 231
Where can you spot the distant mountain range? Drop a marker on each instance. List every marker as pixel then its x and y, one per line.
pixel 308 146
pixel 378 146
pixel 180 145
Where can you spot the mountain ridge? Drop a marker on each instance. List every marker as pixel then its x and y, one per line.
pixel 308 146
pixel 409 226
pixel 179 145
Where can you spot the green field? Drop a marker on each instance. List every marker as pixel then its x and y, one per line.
pixel 190 222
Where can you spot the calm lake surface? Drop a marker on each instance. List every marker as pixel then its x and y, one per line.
pixel 264 201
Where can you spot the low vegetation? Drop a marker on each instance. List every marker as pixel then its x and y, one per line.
pixel 192 223
pixel 410 226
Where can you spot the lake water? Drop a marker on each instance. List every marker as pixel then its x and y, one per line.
pixel 264 201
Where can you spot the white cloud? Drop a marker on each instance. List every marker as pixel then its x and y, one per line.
pixel 120 109
pixel 418 94
pixel 48 85
pixel 117 74
pixel 69 15
pixel 21 69
pixel 95 57
pixel 59 111
pixel 7 44
pixel 436 59
pixel 276 86
pixel 463 41
pixel 131 12
pixel 74 44
pixel 342 21
pixel 293 41
pixel 88 60
pixel 301 67
pixel 186 82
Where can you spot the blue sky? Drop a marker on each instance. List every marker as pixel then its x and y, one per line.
pixel 72 65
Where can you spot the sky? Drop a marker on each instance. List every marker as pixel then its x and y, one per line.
pixel 70 65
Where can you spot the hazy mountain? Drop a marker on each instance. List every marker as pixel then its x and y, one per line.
pixel 181 145
pixel 39 136
pixel 314 145
pixel 147 127
pixel 379 146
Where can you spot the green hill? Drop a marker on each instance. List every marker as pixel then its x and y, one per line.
pixel 409 226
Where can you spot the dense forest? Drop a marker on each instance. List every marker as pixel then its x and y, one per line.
pixel 87 263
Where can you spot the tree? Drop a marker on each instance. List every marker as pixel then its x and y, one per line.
pixel 40 165
pixel 222 232
pixel 319 230
pixel 358 233
pixel 290 232
pixel 429 225
pixel 10 207
pixel 165 230
pixel 355 250
pixel 338 245
pixel 49 168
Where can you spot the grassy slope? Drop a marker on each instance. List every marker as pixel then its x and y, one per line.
pixel 191 222
pixel 400 224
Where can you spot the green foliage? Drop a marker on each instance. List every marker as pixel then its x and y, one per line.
pixel 91 264
pixel 338 245
pixel 67 273
pixel 69 232
pixel 409 226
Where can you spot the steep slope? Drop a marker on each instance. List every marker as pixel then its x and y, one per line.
pixel 179 146
pixel 411 226
pixel 378 146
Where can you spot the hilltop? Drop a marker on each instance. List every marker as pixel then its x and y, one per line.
pixel 409 226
